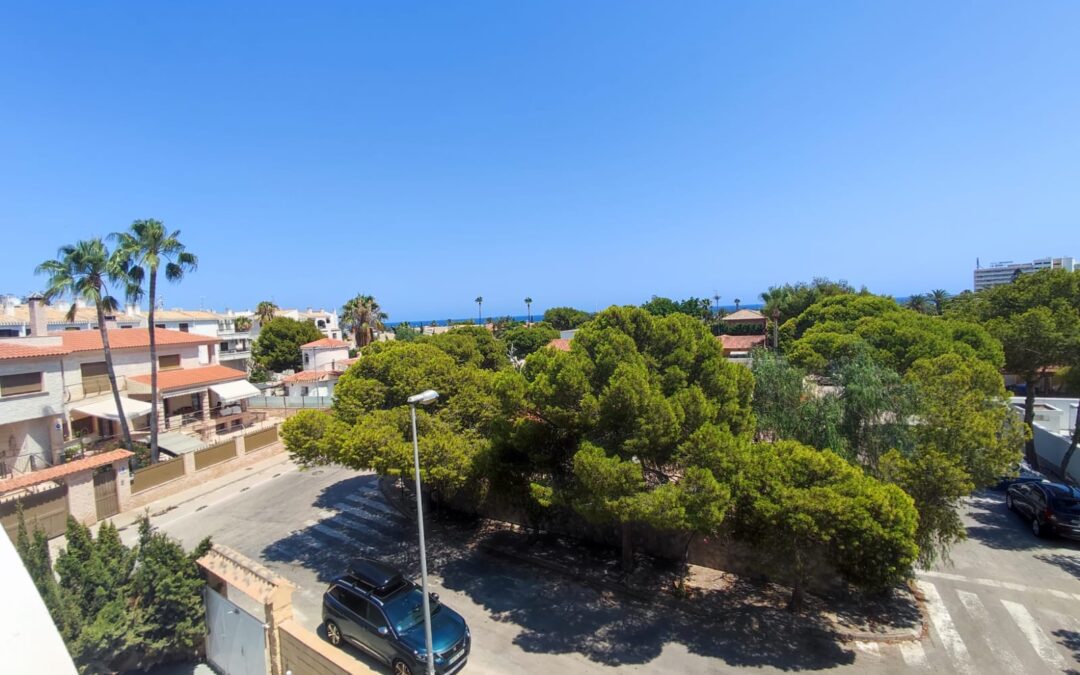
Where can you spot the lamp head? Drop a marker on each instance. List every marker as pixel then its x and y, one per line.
pixel 424 398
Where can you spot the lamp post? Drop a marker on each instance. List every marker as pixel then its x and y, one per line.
pixel 423 398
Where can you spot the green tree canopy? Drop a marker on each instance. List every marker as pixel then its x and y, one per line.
pixel 565 318
pixel 525 340
pixel 791 300
pixel 696 307
pixel 278 346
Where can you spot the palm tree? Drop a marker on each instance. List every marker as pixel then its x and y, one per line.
pixel 917 302
pixel 141 252
pixel 737 301
pixel 363 316
pixel 83 271
pixel 265 312
pixel 716 301
pixel 528 306
pixel 939 296
pixel 242 323
pixel 479 309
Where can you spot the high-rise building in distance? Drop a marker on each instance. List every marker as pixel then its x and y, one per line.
pixel 1004 272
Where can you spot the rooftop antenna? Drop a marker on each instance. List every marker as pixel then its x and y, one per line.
pixel 977 265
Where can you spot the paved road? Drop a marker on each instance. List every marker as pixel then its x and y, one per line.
pixel 1008 604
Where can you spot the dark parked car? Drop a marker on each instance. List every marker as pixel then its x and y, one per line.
pixel 377 609
pixel 1053 508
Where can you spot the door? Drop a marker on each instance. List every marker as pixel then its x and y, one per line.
pixel 235 640
pixel 105 493
pixel 374 621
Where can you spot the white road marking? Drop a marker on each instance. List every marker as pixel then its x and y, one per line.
pixel 872 648
pixel 979 613
pixel 380 506
pixel 914 654
pixel 327 530
pixel 946 630
pixel 993 583
pixel 352 512
pixel 1039 640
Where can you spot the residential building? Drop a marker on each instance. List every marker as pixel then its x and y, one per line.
pixel 745 321
pixel 55 396
pixel 1053 427
pixel 324 361
pixel 15 317
pixel 1004 272
pixel 325 320
pixel 737 348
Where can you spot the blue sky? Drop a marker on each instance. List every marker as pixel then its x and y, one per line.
pixel 581 153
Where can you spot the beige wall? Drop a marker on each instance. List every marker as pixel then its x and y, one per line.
pixel 303 652
pixel 32 406
pixel 20 441
pixel 81 502
pixel 126 363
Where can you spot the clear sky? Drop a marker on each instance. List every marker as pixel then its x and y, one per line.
pixel 583 153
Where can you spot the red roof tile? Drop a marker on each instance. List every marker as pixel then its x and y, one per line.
pixel 55 472
pixel 129 338
pixel 326 343
pixel 741 343
pixel 744 315
pixel 182 378
pixel 562 344
pixel 10 350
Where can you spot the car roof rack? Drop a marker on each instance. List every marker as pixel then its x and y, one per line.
pixel 374 576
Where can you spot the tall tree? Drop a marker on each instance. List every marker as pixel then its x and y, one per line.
pixel 917 302
pixel 528 307
pixel 278 346
pixel 363 316
pixel 265 312
pixel 480 309
pixel 938 296
pixel 83 271
pixel 242 323
pixel 141 251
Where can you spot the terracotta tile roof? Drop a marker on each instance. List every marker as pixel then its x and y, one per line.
pixel 9 350
pixel 55 472
pixel 741 343
pixel 129 338
pixel 744 315
pixel 21 316
pixel 311 376
pixel 183 378
pixel 326 343
pixel 182 315
pixel 562 344
pixel 349 362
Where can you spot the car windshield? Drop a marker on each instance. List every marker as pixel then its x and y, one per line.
pixel 407 609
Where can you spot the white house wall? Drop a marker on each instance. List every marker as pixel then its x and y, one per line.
pixel 126 363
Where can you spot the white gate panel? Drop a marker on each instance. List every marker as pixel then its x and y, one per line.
pixel 235 640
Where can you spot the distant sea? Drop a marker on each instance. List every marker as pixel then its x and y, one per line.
pixel 521 317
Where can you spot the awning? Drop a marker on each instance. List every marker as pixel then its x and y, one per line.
pixel 235 390
pixel 106 408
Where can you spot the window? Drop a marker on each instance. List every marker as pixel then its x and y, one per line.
pixel 183 328
pixel 303 391
pixel 169 362
pixel 22 383
pixel 159 325
pixel 306 359
pixel 95 378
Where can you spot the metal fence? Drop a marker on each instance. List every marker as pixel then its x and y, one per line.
pixel 287 402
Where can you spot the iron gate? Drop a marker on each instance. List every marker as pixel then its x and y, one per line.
pixel 235 640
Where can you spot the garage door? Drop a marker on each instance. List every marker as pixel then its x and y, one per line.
pixel 47 509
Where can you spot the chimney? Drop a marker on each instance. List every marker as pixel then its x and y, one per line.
pixel 129 309
pixel 38 323
pixel 9 306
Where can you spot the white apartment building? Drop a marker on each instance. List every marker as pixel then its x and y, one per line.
pixel 55 393
pixel 325 320
pixel 1004 272
pixel 323 361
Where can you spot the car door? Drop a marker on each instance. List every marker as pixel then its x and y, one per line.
pixel 341 608
pixel 1037 502
pixel 1022 499
pixel 374 620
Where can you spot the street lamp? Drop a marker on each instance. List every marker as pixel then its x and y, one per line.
pixel 423 398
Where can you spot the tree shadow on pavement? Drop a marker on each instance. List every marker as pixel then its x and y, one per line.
pixel 557 615
pixel 1068 563
pixel 998 527
pixel 1070 640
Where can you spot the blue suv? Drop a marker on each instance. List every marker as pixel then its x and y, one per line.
pixel 377 609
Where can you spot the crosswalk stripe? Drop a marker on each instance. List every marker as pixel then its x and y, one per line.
pixel 360 500
pixel 328 531
pixel 365 516
pixel 946 630
pixel 978 611
pixel 1039 640
pixel 872 648
pixel 994 583
pixel 361 529
pixel 914 655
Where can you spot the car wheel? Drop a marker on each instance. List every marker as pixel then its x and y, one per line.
pixel 401 668
pixel 333 633
pixel 1036 527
